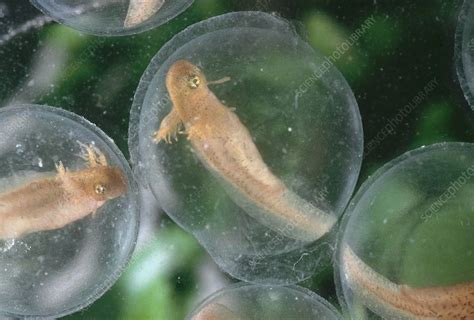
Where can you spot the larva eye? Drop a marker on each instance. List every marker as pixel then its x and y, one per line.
pixel 100 189
pixel 194 82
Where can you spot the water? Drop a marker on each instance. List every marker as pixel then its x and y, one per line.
pixel 26 27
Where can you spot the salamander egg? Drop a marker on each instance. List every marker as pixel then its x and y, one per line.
pixel 265 203
pixel 405 250
pixel 68 223
pixel 247 301
pixel 105 17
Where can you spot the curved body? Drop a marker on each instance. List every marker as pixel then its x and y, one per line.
pixel 52 203
pixel 395 301
pixel 140 11
pixel 225 147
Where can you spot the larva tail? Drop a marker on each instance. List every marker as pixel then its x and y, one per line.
pixel 288 214
pixel 361 275
pixel 378 293
pixel 140 11
pixel 303 220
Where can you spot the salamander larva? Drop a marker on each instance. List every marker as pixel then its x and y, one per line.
pixel 51 203
pixel 225 147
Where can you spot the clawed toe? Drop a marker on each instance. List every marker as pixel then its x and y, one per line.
pixel 159 136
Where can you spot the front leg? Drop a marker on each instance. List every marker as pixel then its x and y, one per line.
pixel 60 169
pixel 169 128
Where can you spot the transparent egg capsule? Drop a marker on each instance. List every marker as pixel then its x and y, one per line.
pixel 252 141
pixel 260 302
pixel 464 54
pixel 68 212
pixel 406 249
pixel 116 17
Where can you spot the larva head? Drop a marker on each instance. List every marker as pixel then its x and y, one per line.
pixel 104 183
pixel 185 79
